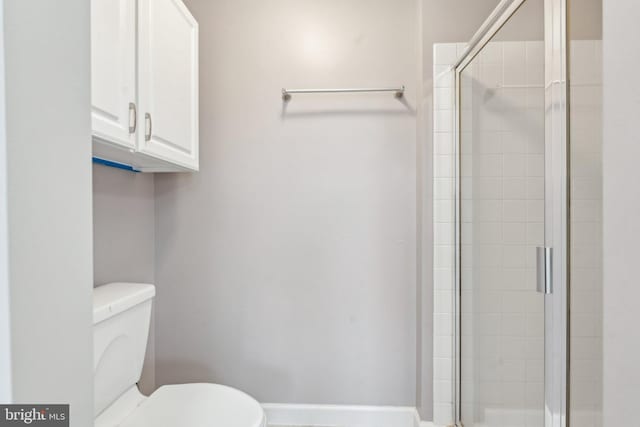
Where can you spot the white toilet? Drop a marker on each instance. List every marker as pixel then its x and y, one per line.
pixel 121 315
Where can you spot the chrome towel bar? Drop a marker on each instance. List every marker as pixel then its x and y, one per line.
pixel 398 91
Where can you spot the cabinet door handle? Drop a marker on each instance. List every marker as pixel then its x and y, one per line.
pixel 133 117
pixel 147 118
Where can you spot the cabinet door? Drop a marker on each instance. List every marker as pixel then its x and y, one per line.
pixel 168 82
pixel 113 70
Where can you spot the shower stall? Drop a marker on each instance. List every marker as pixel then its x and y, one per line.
pixel 525 206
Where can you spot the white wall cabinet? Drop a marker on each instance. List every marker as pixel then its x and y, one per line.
pixel 113 71
pixel 168 82
pixel 145 84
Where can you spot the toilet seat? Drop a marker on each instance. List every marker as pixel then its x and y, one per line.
pixel 197 405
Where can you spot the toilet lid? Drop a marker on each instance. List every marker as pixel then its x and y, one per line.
pixel 197 405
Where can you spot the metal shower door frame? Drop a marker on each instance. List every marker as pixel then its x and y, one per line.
pixel 556 215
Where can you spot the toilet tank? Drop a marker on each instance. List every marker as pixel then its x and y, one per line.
pixel 121 316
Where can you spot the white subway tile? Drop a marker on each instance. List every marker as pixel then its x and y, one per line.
pixel 443 166
pixel 443 76
pixel 443 347
pixel 535 393
pixel 535 165
pixel 535 325
pixel 443 233
pixel 535 74
pixel 489 255
pixel 491 54
pixel 513 396
pixel 514 211
pixel 489 142
pixel 488 188
pixel 514 370
pixel 514 165
pixel 487 210
pixel 513 97
pixel 535 234
pixel 443 302
pixel 443 143
pixel 535 188
pixel 488 165
pixel 443 120
pixel 489 76
pixel 443 256
pixel 443 211
pixel 535 210
pixel 535 98
pixel 442 413
pixel 442 369
pixel 514 188
pixel 535 52
pixel 444 53
pixel 513 348
pixel 443 324
pixel 514 233
pixel 443 98
pixel 514 63
pixel 513 324
pixel 514 143
pixel 443 188
pixel 514 279
pixel 443 279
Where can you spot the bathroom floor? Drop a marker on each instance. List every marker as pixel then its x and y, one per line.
pixel 283 425
pixel 296 425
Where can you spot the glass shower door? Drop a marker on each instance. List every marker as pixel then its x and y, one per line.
pixel 501 225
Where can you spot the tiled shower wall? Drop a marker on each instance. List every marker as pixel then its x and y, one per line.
pixel 502 213
pixel 502 170
pixel 502 327
pixel 444 55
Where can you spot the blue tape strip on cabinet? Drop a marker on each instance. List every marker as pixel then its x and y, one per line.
pixel 116 165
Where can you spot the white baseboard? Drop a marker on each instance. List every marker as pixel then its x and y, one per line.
pixel 342 416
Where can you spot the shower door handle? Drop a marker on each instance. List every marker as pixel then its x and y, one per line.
pixel 543 270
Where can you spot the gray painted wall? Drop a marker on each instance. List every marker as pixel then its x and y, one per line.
pixel 49 202
pixel 128 228
pixel 123 226
pixel 621 210
pixel 5 315
pixel 287 266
